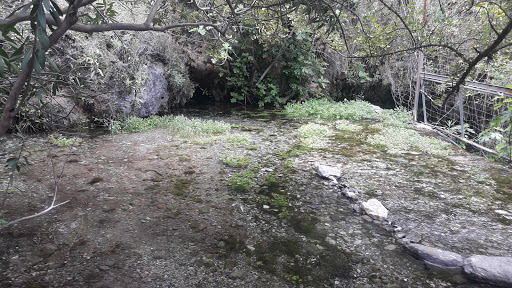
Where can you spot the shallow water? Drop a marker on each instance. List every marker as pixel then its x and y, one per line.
pixel 457 202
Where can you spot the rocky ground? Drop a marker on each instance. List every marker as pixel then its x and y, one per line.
pixel 153 210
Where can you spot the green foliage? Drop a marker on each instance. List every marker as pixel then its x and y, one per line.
pixel 186 127
pixel 500 131
pixel 314 135
pixel 136 124
pixel 180 125
pixel 293 152
pixel 242 182
pixel 238 138
pixel 346 125
pixel 396 117
pixel 58 139
pixel 104 12
pixel 269 73
pixel 236 161
pixel 398 140
pixel 17 159
pixel 271 180
pixel 327 109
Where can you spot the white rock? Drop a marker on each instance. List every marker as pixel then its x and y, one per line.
pixel 328 172
pixel 375 209
pixel 377 109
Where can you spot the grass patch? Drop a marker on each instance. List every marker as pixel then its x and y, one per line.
pixel 238 139
pixel 328 109
pixel 398 140
pixel 189 128
pixel 396 117
pixel 242 182
pixel 296 151
pixel 180 125
pixel 236 161
pixel 181 186
pixel 346 125
pixel 314 135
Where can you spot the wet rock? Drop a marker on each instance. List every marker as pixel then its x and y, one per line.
pixel 435 256
pixel 328 172
pixel 375 209
pixel 103 268
pixel 350 193
pixel 489 269
pixel 356 208
pixel 237 274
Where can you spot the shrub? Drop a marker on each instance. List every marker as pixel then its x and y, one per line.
pixel 328 109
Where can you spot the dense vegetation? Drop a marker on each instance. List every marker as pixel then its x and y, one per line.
pixel 265 52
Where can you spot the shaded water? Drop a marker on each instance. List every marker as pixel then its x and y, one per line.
pixel 460 202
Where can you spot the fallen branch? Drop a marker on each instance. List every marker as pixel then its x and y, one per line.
pixel 56 181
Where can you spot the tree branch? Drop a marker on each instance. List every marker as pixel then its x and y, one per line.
pixel 23 17
pixel 11 103
pixel 401 20
pixel 152 13
pixel 137 27
pixel 488 51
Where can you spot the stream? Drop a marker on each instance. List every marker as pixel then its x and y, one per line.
pixel 460 202
pixel 154 209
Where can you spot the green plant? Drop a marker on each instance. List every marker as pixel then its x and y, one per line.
pixel 296 279
pixel 270 180
pixel 396 117
pixel 279 201
pixel 404 140
pixel 250 76
pixel 61 141
pixel 500 130
pixel 295 151
pixel 242 182
pixel 238 139
pixel 346 125
pixel 314 135
pixel 236 161
pixel 328 109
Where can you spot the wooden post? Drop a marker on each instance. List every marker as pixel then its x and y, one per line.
pixel 423 102
pixel 417 94
pixel 461 111
pixel 418 79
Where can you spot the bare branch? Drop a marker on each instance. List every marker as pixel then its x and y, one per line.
pixel 152 13
pixel 401 20
pixel 488 51
pixel 56 181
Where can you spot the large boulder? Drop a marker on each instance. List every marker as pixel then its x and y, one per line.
pixel 151 96
pixel 489 269
pixel 375 209
pixel 435 256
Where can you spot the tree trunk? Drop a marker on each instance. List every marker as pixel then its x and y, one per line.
pixel 11 105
